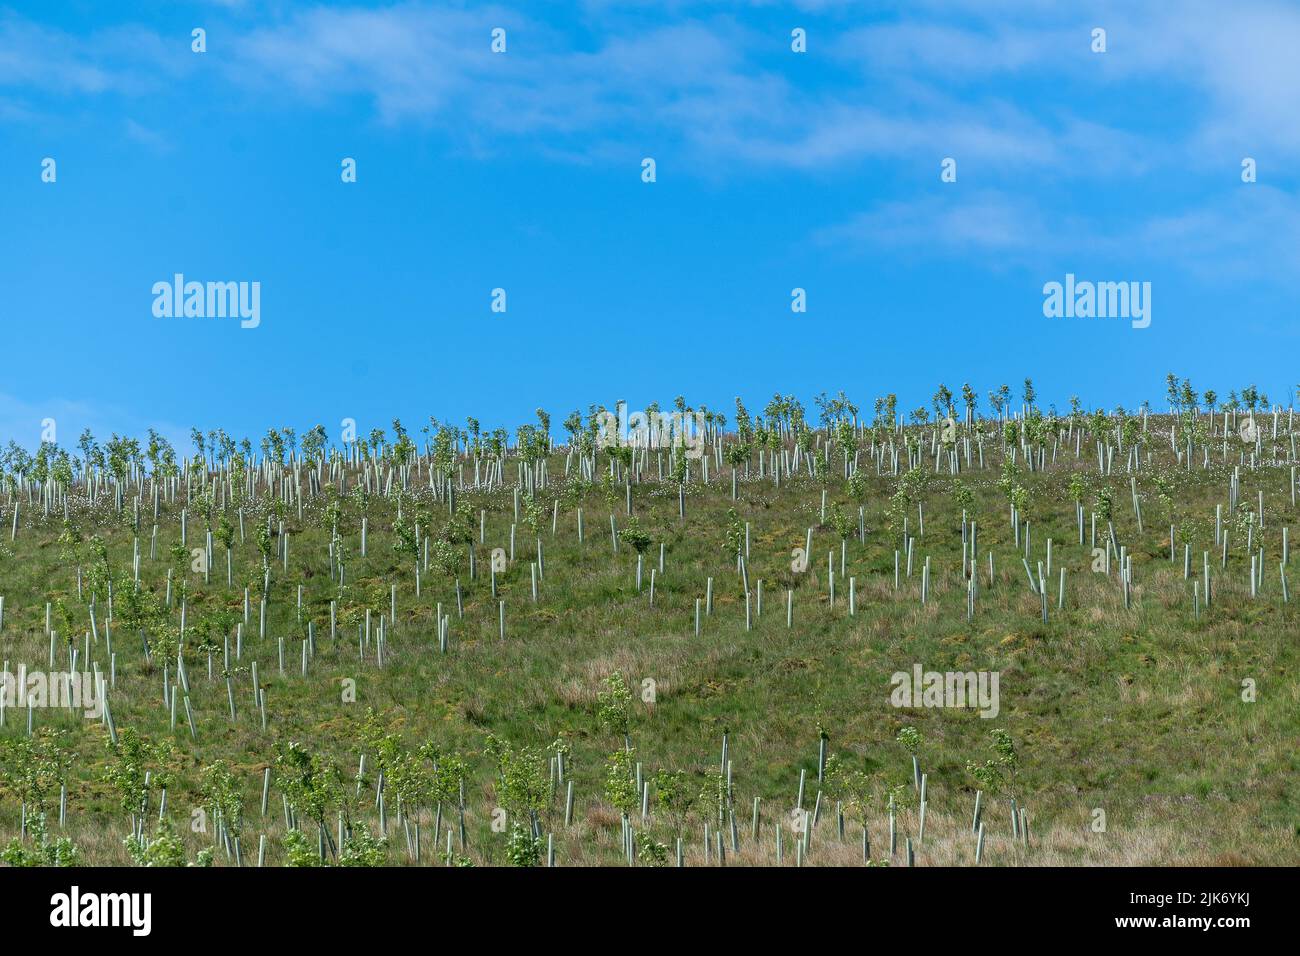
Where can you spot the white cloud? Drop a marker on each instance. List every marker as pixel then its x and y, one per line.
pixel 1008 88
pixel 33 56
pixel 1249 234
pixel 983 224
pixel 924 77
pixel 711 84
pixel 21 422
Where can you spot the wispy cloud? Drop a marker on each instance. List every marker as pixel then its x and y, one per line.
pixel 985 224
pixel 131 60
pixel 710 84
pixel 1236 64
pixel 1251 233
pixel 32 56
pixel 918 84
pixel 426 63
pixel 412 60
pixel 923 78
pixel 24 421
pixel 1009 89
pixel 148 137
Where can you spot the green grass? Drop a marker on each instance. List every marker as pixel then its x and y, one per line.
pixel 1137 712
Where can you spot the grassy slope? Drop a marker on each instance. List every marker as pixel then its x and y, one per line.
pixel 1137 712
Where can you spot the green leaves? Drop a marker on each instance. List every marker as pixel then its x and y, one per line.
pixel 220 791
pixel 35 767
pixel 999 771
pixel 1105 503
pixel 133 758
pixel 523 786
pixel 850 787
pixel 312 784
pixel 650 852
pixel 841 522
pixel 42 851
pixel 1010 479
pixel 620 781
pixel 522 848
pixel 738 454
pixel 532 444
pixel 910 488
pixel 911 739
pixel 449 773
pixel 533 514
pixel 734 538
pixel 263 535
pixel 164 849
pixel 847 439
pixel 674 793
pixel 299 851
pixel 1020 499
pixel 405 543
pixel 445 557
pixel 362 849
pixel 857 484
pixel 614 705
pixel 225 532
pixel 716 793
pixel 962 496
pixel 632 534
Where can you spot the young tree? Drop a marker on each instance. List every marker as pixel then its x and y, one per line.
pixel 614 708
pixel 314 787
pixel 673 790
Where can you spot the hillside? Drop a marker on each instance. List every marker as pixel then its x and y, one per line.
pixel 524 650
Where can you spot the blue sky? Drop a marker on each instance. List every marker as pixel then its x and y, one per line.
pixel 521 170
